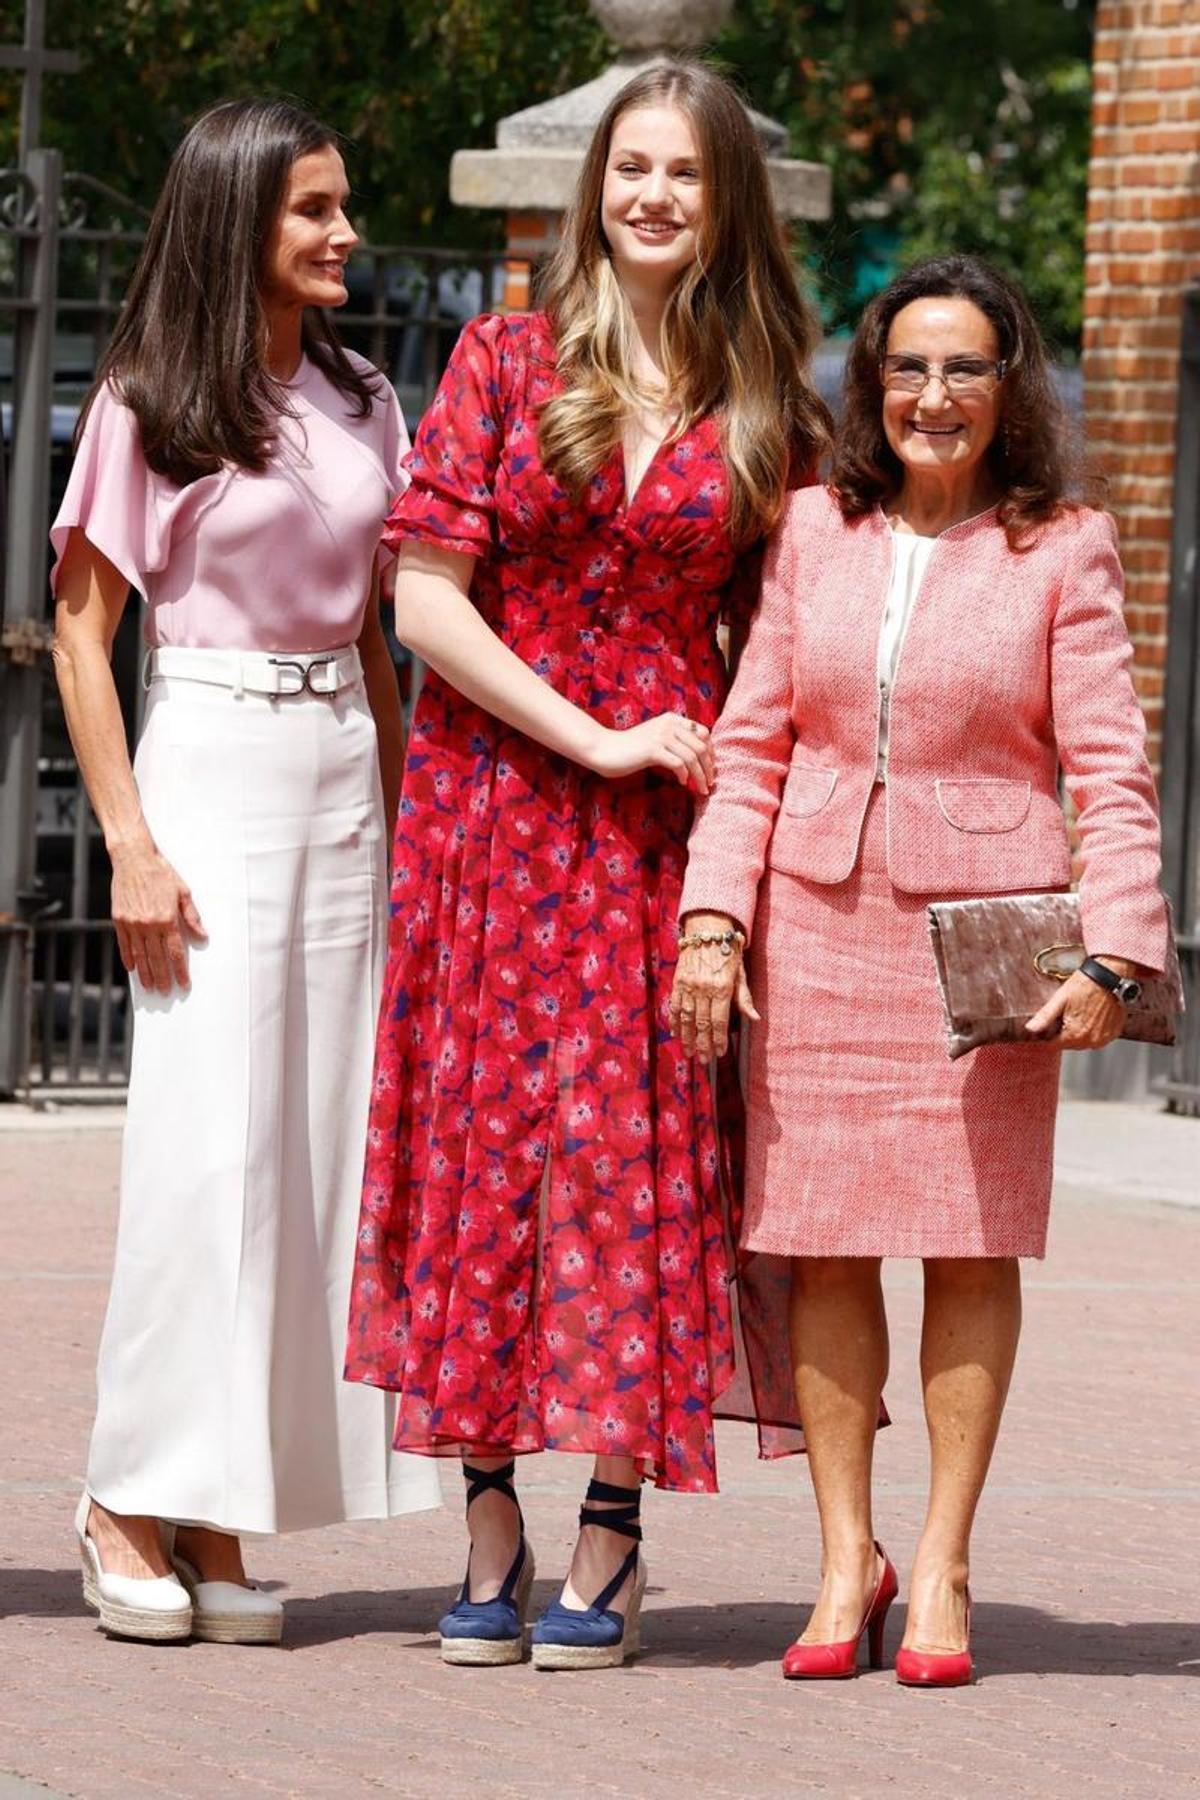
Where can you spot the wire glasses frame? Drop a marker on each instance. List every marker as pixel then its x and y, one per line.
pixel 958 374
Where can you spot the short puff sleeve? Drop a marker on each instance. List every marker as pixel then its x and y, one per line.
pixel 395 451
pixel 451 469
pixel 112 496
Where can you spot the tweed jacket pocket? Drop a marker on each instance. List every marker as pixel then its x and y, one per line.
pixel 807 790
pixel 984 804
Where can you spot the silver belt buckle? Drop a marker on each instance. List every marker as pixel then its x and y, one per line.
pixel 304 672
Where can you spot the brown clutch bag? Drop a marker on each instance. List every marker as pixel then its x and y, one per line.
pixel 998 961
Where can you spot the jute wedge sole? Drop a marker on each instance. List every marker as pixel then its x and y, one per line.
pixel 231 1628
pixel 121 1620
pixel 493 1653
pixel 599 1656
pixel 224 1612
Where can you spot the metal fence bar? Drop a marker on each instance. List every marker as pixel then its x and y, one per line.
pixel 75 1007
pixel 73 1013
pixel 1181 712
pixel 26 552
pixel 1181 721
pixel 49 989
pixel 104 1022
pixel 74 1022
pixel 1182 1086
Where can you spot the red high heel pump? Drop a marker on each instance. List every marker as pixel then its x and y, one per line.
pixel 937 1668
pixel 837 1662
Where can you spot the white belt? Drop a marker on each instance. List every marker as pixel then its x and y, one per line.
pixel 257 671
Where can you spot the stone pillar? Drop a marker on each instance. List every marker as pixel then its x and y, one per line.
pixel 531 173
pixel 1143 245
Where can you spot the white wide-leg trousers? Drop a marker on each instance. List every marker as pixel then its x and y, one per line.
pixel 220 1397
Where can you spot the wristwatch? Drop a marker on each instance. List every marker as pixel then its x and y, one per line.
pixel 1122 987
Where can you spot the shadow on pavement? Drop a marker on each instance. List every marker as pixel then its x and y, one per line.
pixel 1008 1640
pixel 41 1594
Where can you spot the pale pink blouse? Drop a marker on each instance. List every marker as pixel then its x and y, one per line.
pixel 280 560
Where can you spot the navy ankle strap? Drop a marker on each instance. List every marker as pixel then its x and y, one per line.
pixel 605 1490
pixel 480 1481
pixel 621 1515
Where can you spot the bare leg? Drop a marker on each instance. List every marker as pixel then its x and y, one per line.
pixel 495 1531
pixel 127 1543
pixel 130 1544
pixel 599 1553
pixel 840 1359
pixel 968 1347
pixel 215 1555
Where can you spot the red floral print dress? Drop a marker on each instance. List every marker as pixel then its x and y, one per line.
pixel 544 1256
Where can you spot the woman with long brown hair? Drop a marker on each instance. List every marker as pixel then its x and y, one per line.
pixel 542 1255
pixel 235 466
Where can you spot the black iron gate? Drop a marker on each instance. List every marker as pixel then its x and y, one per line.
pixel 67 246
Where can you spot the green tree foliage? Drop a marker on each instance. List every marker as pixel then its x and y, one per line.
pixel 407 81
pixel 947 125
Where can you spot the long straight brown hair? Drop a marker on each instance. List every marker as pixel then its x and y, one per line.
pixel 737 335
pixel 188 355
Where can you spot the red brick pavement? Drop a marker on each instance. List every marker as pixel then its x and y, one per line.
pixel 1086 1579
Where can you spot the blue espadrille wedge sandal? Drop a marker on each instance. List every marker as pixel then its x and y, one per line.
pixel 598 1637
pixel 484 1633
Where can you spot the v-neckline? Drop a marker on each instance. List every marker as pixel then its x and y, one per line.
pixel 628 499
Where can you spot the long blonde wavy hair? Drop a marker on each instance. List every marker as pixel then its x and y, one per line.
pixel 737 335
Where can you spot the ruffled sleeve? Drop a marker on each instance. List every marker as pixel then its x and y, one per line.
pixel 452 466
pixel 111 496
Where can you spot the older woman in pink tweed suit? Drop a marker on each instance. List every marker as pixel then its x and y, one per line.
pixel 940 633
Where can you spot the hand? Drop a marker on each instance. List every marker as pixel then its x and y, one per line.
pixel 152 909
pixel 707 982
pixel 667 742
pixel 1081 1015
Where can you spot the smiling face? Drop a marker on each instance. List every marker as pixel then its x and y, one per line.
pixel 936 431
pixel 653 197
pixel 311 239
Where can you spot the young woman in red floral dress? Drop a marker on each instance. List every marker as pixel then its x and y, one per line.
pixel 543 1256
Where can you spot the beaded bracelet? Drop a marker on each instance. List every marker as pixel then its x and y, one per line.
pixel 728 941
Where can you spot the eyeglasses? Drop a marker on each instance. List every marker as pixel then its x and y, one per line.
pixel 958 374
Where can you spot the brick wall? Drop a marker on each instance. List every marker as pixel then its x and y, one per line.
pixel 530 237
pixel 1143 245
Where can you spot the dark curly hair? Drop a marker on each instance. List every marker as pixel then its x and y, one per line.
pixel 1033 457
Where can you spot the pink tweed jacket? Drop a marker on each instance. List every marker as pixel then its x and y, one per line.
pixel 1015 664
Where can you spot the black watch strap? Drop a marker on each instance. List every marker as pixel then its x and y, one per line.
pixel 1121 986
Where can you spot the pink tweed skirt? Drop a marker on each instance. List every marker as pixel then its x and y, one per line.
pixel 863 1138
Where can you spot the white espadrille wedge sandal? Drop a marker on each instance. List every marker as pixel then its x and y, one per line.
pixel 225 1612
pixel 154 1608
